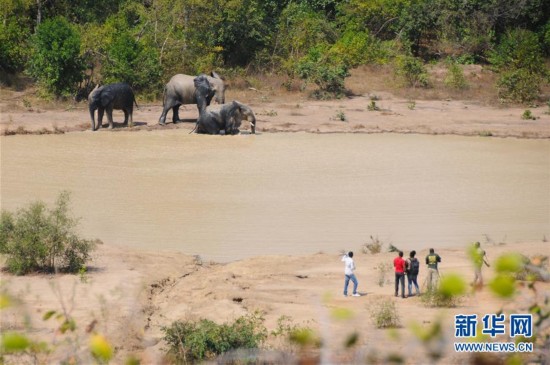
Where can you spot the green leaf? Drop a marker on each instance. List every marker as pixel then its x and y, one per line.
pixel 509 263
pixel 503 285
pixel 100 348
pixel 341 313
pixel 452 285
pixel 14 342
pixel 48 315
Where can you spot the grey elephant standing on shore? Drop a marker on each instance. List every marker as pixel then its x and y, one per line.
pixel 180 90
pixel 108 97
pixel 227 117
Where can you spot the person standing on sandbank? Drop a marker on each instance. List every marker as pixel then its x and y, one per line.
pixel 433 272
pixel 349 268
pixel 479 257
pixel 400 265
pixel 413 267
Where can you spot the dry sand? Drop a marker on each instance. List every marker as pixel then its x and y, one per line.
pixel 132 294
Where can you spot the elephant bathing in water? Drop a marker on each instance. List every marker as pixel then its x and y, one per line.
pixel 108 97
pixel 226 117
pixel 180 90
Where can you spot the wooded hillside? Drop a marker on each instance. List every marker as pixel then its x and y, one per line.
pixel 66 46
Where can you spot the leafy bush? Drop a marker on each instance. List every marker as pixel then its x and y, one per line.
pixel 37 238
pixel 384 314
pixel 327 73
pixel 130 61
pixel 411 71
pixel 191 341
pixel 518 57
pixel 14 49
pixel 528 115
pixel 519 85
pixel 455 77
pixel 375 246
pixel 55 61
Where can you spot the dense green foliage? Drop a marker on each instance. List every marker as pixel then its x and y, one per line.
pixel 145 42
pixel 192 341
pixel 55 61
pixel 40 239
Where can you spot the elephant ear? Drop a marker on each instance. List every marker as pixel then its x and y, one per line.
pixel 106 96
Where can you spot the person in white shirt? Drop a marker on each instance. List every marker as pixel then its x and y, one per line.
pixel 349 268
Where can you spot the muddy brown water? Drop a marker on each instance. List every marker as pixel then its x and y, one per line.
pixel 227 198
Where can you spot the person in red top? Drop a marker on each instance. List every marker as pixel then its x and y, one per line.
pixel 400 265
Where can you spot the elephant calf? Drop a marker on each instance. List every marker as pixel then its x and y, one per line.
pixel 227 117
pixel 108 97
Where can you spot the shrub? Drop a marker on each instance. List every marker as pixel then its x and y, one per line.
pixel 55 61
pixel 455 77
pixel 411 71
pixel 528 115
pixel 375 246
pixel 384 314
pixel 40 239
pixel 372 107
pixel 130 61
pixel 383 268
pixel 326 72
pixel 191 341
pixel 14 49
pixel 518 58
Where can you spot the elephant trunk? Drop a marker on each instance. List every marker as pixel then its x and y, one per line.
pixel 252 124
pixel 92 112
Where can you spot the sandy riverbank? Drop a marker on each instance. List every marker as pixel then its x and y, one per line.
pixel 129 295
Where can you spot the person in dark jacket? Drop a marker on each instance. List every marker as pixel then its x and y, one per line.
pixel 413 267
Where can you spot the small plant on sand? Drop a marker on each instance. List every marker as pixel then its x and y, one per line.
pixel 191 342
pixel 372 106
pixel 374 246
pixel 383 314
pixel 382 269
pixel 40 239
pixel 528 115
pixel 411 104
pixel 485 133
pixel 448 294
pixel 341 116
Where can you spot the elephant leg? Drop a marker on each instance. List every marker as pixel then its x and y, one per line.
pixel 162 119
pixel 125 116
pixel 110 116
pixel 175 114
pixel 100 112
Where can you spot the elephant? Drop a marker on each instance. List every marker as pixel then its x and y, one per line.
pixel 180 90
pixel 226 117
pixel 108 97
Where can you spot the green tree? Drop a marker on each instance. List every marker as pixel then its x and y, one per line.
pixel 38 238
pixel 328 73
pixel 128 60
pixel 518 58
pixel 55 61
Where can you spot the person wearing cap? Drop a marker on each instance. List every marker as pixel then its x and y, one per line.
pixel 349 268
